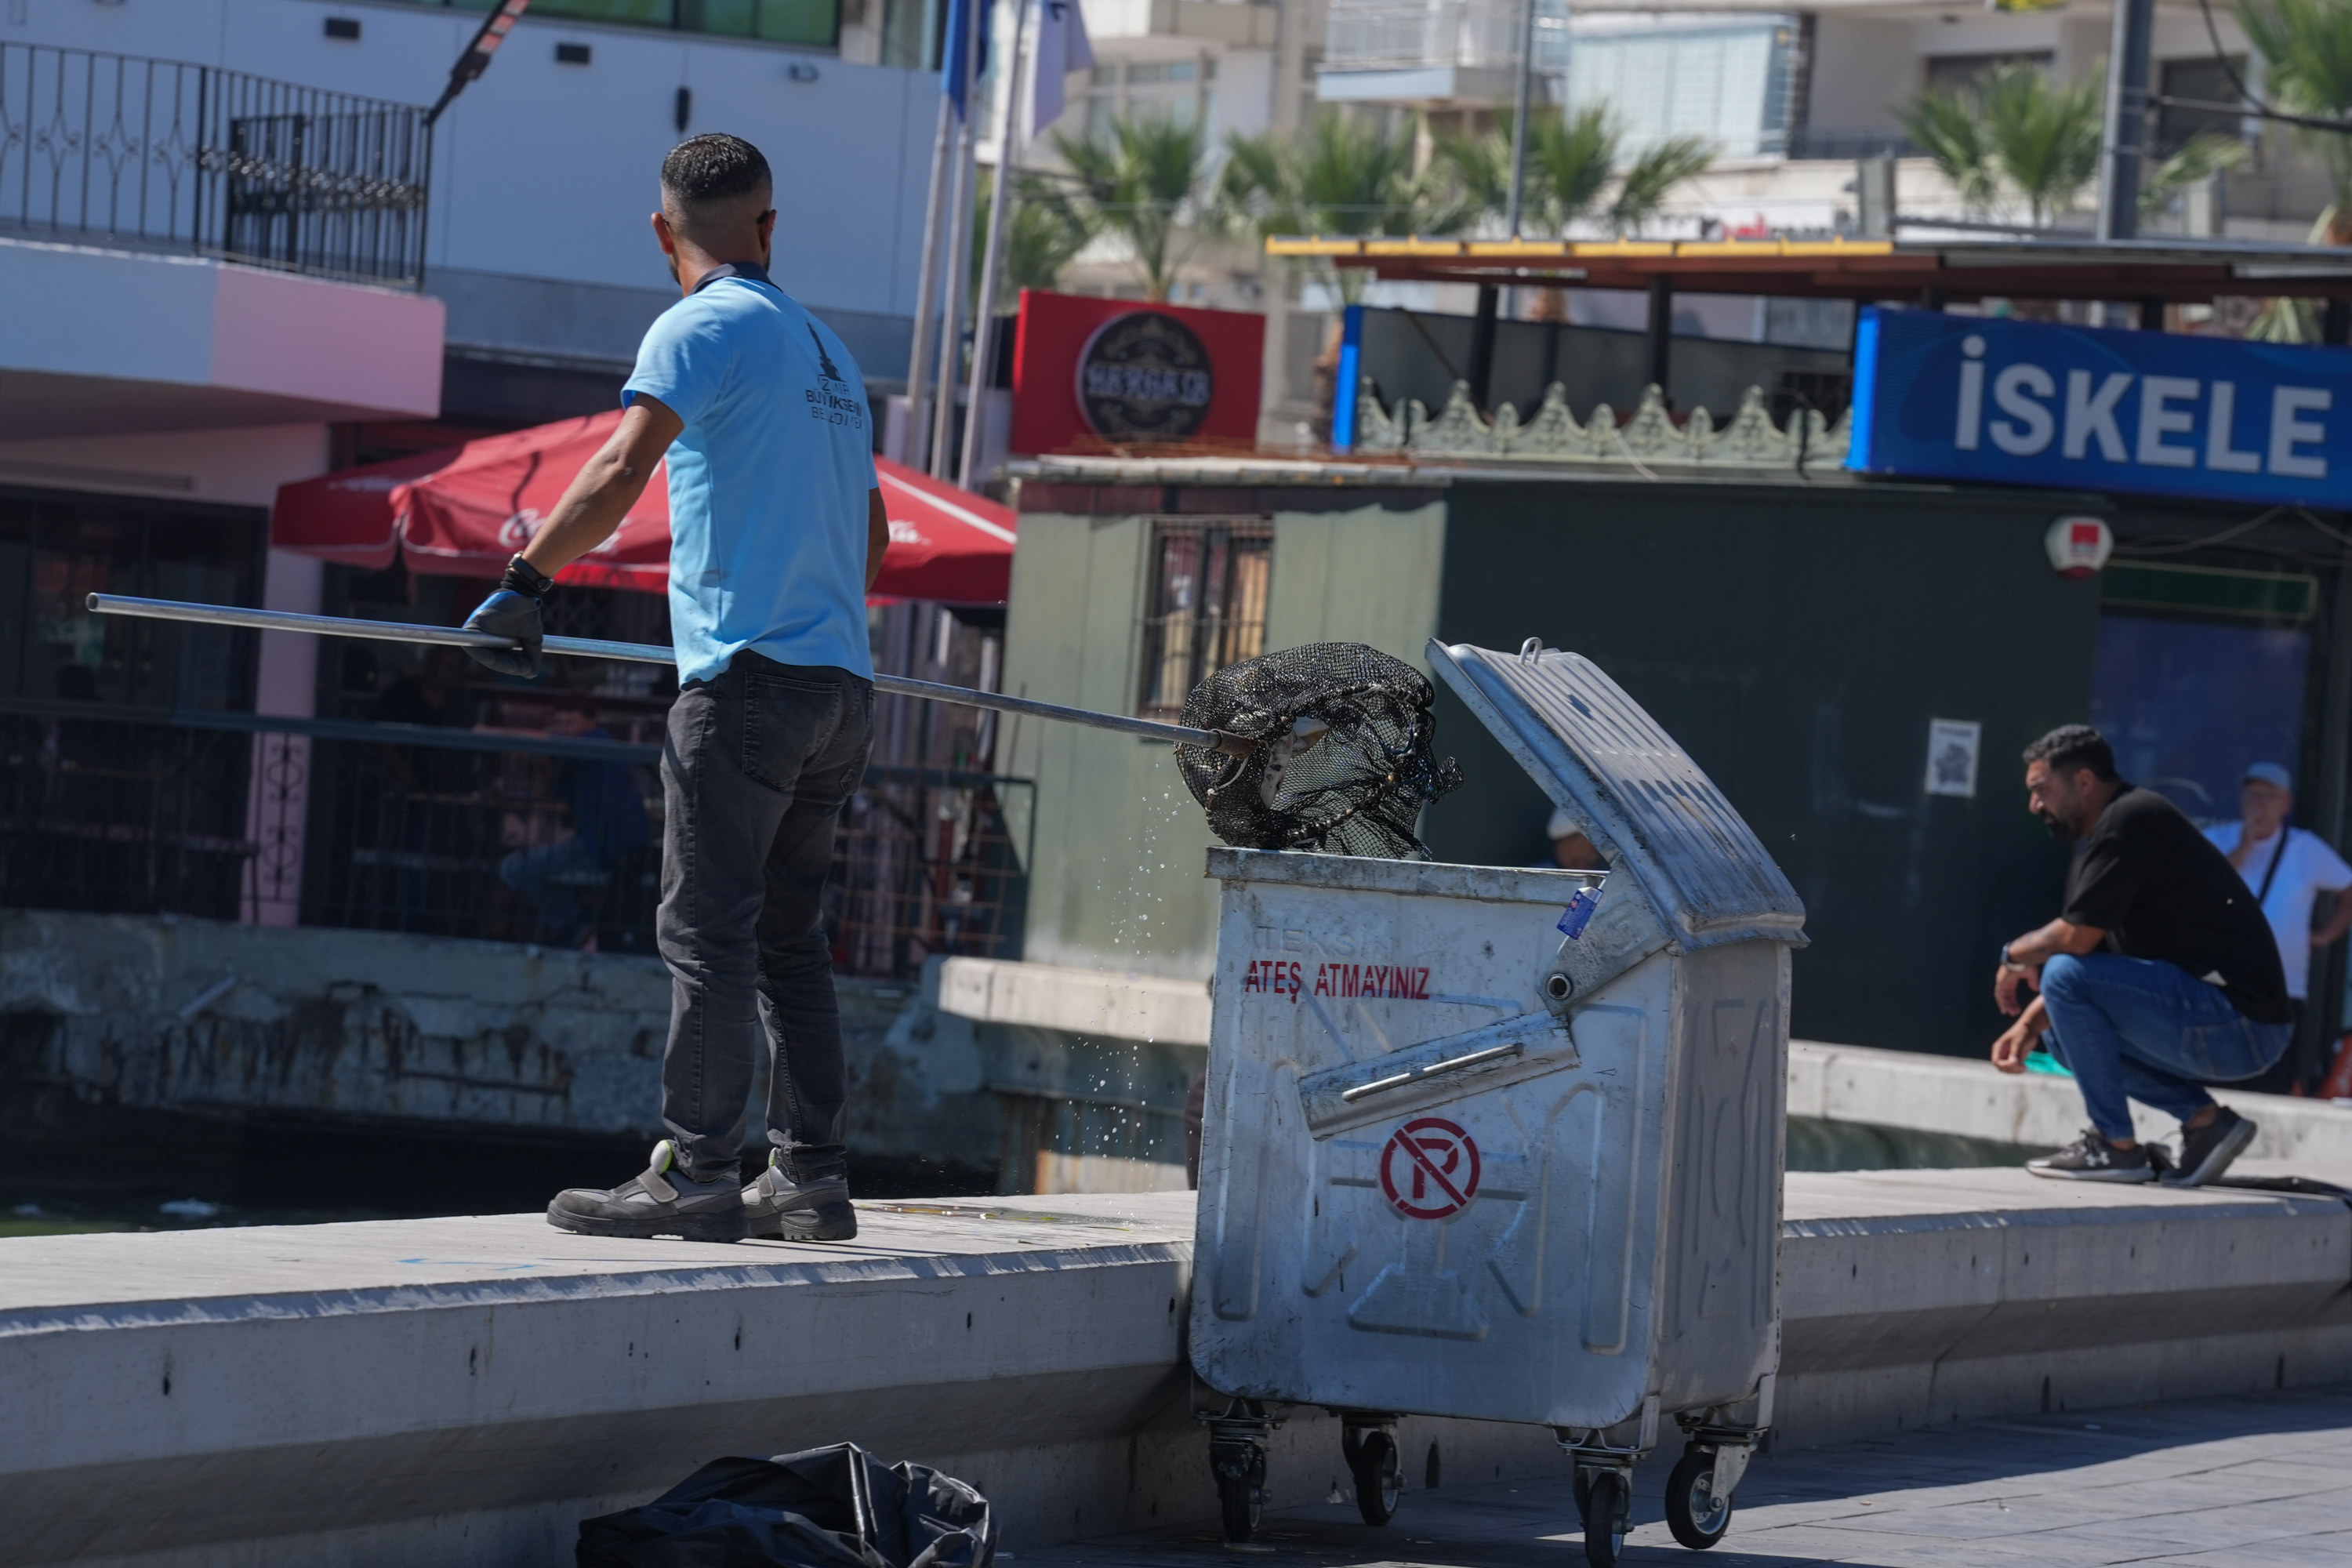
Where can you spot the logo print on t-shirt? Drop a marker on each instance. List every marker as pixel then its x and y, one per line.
pixel 829 400
pixel 824 365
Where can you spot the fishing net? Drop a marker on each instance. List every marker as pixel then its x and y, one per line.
pixel 1343 763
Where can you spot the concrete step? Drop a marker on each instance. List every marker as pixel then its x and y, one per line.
pixel 463 1390
pixel 1966 1095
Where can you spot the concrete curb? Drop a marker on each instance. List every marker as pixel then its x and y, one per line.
pixel 1955 1094
pixel 464 1390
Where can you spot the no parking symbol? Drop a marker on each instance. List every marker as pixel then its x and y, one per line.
pixel 1429 1168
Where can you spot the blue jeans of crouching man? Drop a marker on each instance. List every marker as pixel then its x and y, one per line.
pixel 756 766
pixel 2140 1028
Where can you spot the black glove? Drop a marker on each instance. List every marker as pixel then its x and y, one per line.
pixel 513 613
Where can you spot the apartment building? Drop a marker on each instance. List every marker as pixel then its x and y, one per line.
pixel 1792 96
pixel 235 255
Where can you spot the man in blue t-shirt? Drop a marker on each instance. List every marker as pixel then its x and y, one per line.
pixel 777 532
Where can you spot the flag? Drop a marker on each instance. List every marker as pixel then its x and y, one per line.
pixel 967 28
pixel 1062 47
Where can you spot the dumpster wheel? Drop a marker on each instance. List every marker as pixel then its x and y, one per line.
pixel 1380 1476
pixel 1695 1513
pixel 1237 1458
pixel 1240 1500
pixel 1604 1510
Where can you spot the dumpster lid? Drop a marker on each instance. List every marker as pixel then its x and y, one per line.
pixel 1642 800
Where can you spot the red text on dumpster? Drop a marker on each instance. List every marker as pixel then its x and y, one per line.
pixel 1429 1168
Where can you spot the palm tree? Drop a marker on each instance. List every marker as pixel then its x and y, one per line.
pixel 1043 234
pixel 2012 131
pixel 1141 184
pixel 1642 188
pixel 1480 165
pixel 1572 162
pixel 2308 47
pixel 1341 176
pixel 2200 158
pixel 1949 130
pixel 2045 137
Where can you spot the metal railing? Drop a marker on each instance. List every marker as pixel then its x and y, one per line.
pixel 1825 142
pixel 1397 35
pixel 159 154
pixel 456 833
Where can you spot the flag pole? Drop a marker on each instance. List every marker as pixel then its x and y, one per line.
pixel 952 261
pixel 983 337
pixel 915 431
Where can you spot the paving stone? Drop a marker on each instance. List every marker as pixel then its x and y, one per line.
pixel 2252 1481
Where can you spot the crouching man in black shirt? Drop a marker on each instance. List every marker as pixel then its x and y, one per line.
pixel 2160 976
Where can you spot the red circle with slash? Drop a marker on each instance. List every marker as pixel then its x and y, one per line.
pixel 1430 1168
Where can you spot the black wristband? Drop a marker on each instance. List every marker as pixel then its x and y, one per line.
pixel 524 578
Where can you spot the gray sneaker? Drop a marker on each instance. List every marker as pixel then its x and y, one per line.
pixel 2091 1158
pixel 662 1202
pixel 2208 1151
pixel 789 1210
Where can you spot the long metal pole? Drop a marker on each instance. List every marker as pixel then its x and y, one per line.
pixel 2127 126
pixel 953 263
pixel 635 653
pixel 918 428
pixel 1483 348
pixel 983 311
pixel 1520 95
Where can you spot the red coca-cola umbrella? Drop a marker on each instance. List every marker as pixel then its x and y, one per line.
pixel 464 511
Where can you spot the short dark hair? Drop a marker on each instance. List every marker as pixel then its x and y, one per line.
pixel 714 167
pixel 2073 747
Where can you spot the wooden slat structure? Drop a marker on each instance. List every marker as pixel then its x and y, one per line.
pixel 1933 271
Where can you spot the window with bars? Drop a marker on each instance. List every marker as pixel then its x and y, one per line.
pixel 1205 608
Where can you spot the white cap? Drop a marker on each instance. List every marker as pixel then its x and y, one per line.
pixel 1562 825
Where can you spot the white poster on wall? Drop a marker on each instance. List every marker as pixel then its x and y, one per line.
pixel 1952 747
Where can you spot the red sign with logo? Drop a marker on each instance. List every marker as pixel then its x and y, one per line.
pixel 1088 372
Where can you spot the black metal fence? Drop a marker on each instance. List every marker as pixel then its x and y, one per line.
pixel 166 155
pixel 499 837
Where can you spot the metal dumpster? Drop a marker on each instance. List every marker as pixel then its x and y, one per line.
pixel 1505 1144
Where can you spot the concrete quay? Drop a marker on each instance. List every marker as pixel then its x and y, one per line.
pixel 462 1391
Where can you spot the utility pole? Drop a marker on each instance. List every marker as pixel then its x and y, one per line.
pixel 1482 333
pixel 1520 95
pixel 2124 142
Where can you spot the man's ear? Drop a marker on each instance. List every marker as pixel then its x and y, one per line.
pixel 664 234
pixel 767 235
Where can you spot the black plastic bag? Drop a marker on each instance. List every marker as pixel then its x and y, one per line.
pixel 822 1508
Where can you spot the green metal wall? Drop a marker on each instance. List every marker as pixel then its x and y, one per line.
pixel 1117 882
pixel 1797 641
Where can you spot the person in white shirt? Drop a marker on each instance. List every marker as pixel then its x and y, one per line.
pixel 2288 867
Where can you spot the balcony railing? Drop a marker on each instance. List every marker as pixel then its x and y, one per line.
pixel 456 833
pixel 157 154
pixel 1832 142
pixel 1400 35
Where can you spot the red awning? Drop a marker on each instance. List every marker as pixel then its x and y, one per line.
pixel 464 511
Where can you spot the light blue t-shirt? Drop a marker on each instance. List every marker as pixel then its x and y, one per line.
pixel 768 483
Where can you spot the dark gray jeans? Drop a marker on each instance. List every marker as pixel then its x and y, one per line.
pixel 757 765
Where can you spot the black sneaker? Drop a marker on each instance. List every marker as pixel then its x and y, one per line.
pixel 2206 1153
pixel 662 1202
pixel 779 1206
pixel 2091 1158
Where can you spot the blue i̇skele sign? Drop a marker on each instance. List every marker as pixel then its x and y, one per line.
pixel 2029 403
